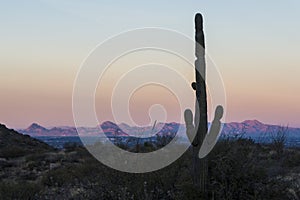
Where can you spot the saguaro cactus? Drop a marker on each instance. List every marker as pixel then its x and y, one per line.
pixel 201 96
pixel 197 131
pixel 200 166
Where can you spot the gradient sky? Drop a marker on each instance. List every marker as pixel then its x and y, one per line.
pixel 255 44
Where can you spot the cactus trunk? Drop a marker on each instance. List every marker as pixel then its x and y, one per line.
pixel 200 166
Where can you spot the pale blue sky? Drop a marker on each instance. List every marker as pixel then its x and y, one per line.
pixel 255 44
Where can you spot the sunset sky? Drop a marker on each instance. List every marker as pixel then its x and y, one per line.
pixel 255 45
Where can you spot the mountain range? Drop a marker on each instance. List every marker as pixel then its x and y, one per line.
pixel 111 129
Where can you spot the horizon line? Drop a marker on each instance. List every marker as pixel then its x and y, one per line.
pixel 74 126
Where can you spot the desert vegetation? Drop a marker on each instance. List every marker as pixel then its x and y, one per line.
pixel 239 168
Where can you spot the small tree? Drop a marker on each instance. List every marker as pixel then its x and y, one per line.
pixel 278 139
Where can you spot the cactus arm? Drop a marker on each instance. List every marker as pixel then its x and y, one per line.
pixel 190 128
pixel 212 136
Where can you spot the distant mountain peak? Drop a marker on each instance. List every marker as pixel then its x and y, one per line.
pixel 35 125
pixel 35 128
pixel 252 122
pixel 112 129
pixel 108 123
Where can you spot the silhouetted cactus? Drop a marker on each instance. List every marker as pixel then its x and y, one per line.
pixel 197 131
pixel 200 165
pixel 199 127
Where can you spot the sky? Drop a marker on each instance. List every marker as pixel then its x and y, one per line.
pixel 255 45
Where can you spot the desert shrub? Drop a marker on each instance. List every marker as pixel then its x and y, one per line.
pixel 36 157
pixel 57 177
pixel 71 146
pixel 122 146
pixel 147 147
pixel 278 139
pixel 162 140
pixel 21 190
pixel 291 158
pixel 12 152
pixel 234 169
pixel 64 175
